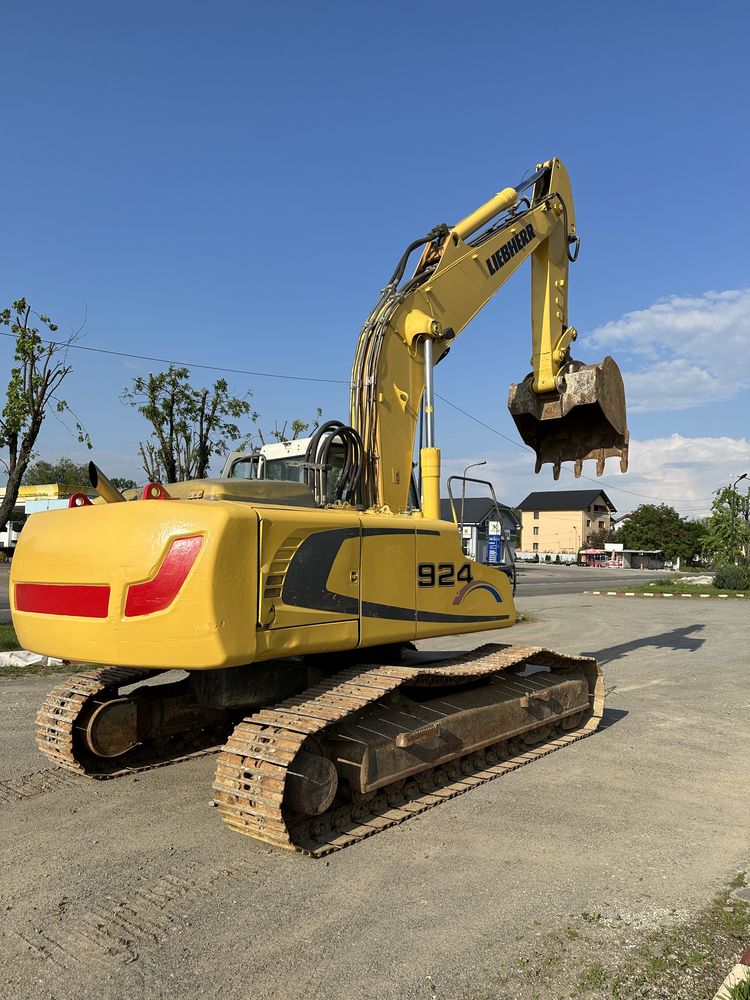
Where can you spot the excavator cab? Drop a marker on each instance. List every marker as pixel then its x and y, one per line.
pixel 584 417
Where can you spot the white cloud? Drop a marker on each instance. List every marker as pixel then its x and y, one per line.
pixel 682 352
pixel 681 471
pixel 684 471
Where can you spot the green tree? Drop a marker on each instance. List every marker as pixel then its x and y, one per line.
pixel 727 533
pixel 653 526
pixel 69 473
pixel 40 367
pixel 696 530
pixel 64 470
pixel 121 483
pixel 188 425
pixel 296 429
pixel 598 538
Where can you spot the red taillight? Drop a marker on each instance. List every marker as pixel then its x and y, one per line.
pixel 158 593
pixel 73 599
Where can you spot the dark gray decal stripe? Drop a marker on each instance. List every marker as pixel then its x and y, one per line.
pixel 308 572
pixel 373 610
pixel 399 531
pixel 436 616
pixel 305 581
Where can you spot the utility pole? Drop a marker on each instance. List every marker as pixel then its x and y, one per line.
pixel 733 510
pixel 473 465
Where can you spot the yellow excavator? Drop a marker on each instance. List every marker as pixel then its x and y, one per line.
pixel 287 610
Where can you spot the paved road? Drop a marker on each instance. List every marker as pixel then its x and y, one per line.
pixel 538 579
pixel 132 889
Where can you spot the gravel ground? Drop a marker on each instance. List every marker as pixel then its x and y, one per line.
pixel 133 889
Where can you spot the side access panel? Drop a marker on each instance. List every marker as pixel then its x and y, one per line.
pixel 308 592
pixel 388 581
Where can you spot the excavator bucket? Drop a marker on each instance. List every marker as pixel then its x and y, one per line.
pixel 584 419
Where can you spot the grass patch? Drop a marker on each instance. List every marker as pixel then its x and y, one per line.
pixel 692 959
pixel 740 991
pixel 670 587
pixel 36 670
pixel 599 955
pixel 8 638
pixel 594 978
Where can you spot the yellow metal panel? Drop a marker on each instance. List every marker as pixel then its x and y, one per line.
pixel 456 594
pixel 329 638
pixel 48 491
pixel 388 579
pixel 309 566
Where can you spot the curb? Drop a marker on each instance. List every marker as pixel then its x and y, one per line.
pixel 24 658
pixel 632 593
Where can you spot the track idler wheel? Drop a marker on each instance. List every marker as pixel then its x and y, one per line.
pixel 115 726
pixel 311 785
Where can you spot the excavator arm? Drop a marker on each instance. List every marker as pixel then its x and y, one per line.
pixel 564 410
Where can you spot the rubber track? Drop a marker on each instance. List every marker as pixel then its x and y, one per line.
pixel 56 720
pixel 252 767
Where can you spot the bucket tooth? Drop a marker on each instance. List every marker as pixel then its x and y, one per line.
pixel 583 419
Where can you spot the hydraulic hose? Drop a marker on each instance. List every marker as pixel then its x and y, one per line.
pixel 318 463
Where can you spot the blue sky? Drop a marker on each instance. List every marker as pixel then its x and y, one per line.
pixel 231 184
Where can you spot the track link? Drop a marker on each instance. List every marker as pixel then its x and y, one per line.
pixel 254 764
pixel 57 719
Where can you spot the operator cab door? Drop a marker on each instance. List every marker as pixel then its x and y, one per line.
pixel 388 584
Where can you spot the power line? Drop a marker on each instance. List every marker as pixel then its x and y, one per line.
pixel 589 479
pixel 337 381
pixel 189 364
pixel 481 423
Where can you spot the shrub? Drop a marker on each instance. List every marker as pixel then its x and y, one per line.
pixel 730 577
